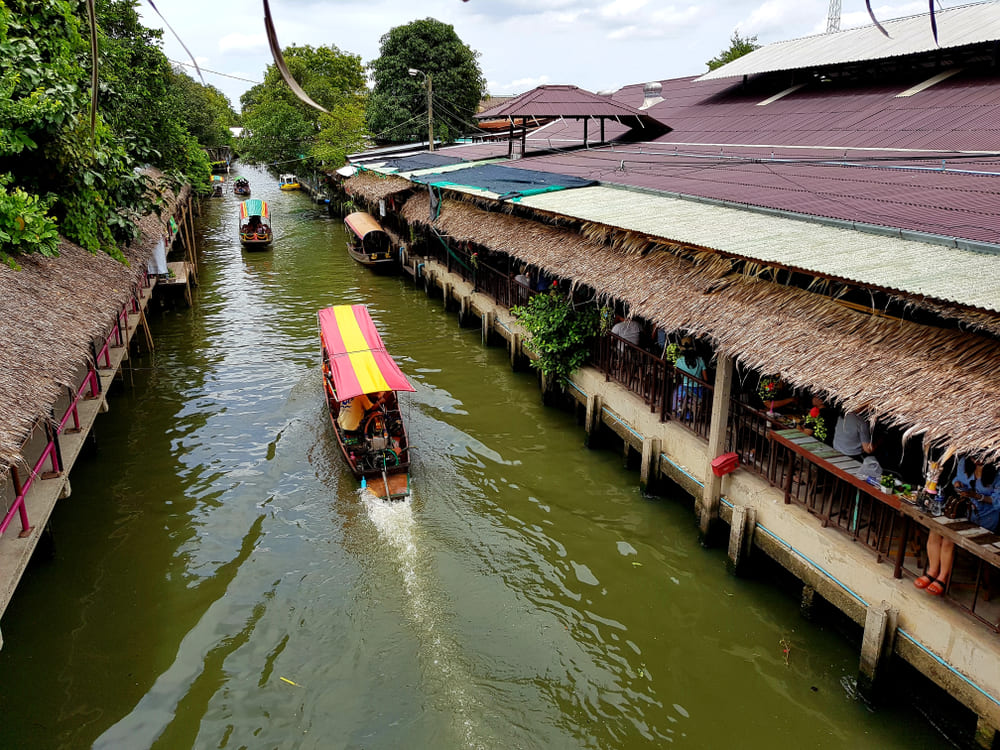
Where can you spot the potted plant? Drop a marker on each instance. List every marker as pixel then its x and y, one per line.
pixel 888 483
pixel 814 424
pixel 767 389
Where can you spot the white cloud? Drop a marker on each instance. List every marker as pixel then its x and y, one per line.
pixel 515 87
pixel 773 18
pixel 243 42
pixel 622 8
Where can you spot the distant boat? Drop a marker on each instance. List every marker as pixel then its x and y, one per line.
pixel 217 185
pixel 368 243
pixel 255 225
pixel 288 182
pixel 241 187
pixel 362 384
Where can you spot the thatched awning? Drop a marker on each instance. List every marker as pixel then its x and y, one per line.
pixel 937 383
pixel 49 312
pixel 373 186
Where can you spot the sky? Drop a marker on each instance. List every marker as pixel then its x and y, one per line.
pixel 598 45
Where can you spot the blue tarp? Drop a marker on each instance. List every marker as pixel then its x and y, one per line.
pixel 421 161
pixel 507 182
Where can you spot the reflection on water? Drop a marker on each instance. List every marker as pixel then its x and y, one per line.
pixel 221 582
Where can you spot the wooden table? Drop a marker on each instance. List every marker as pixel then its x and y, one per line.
pixel 974 539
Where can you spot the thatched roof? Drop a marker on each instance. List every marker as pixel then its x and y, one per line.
pixel 373 186
pixel 940 384
pixel 49 312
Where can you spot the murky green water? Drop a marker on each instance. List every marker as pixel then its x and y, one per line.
pixel 218 581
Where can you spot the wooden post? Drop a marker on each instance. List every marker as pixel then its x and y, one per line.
pixel 709 512
pixel 489 320
pixel 592 419
pixel 515 347
pixel 876 645
pixel 741 529
pixel 986 733
pixel 650 468
pixel 807 602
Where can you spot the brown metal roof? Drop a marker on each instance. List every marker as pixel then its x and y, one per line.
pixel 570 102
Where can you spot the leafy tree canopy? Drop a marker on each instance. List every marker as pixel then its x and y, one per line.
pixel 397 110
pixel 280 128
pixel 738 46
pixel 56 175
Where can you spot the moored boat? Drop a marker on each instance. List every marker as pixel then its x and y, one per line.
pixel 288 182
pixel 217 185
pixel 362 385
pixel 367 242
pixel 255 225
pixel 241 186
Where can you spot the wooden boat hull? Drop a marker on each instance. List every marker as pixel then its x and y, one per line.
pixel 256 244
pixel 380 261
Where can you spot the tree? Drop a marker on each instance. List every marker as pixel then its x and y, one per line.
pixel 278 127
pixel 397 109
pixel 738 46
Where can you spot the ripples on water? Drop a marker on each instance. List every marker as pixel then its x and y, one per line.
pixel 221 582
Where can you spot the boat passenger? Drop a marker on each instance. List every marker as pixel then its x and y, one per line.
pixel 352 412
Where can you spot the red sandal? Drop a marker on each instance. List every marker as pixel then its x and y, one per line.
pixel 936 587
pixel 923 582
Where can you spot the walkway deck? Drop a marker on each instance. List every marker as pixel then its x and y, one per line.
pixel 16 549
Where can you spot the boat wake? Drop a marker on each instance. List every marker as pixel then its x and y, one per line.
pixel 397 525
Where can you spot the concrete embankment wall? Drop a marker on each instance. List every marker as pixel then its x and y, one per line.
pixel 956 652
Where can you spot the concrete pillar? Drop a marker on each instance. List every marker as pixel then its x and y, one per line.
pixel 515 350
pixel 66 490
pixel 446 288
pixel 876 646
pixel 986 734
pixel 741 529
pixel 709 511
pixel 464 309
pixel 1 639
pixel 592 419
pixel 649 469
pixel 488 321
pixel 807 602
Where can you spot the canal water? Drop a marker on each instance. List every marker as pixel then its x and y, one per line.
pixel 218 580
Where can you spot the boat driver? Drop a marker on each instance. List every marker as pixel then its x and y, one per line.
pixel 354 410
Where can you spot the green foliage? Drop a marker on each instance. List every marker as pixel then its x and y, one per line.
pixel 24 224
pixel 61 173
pixel 560 333
pixel 397 110
pixel 280 128
pixel 738 46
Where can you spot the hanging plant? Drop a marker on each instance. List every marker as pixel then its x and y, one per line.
pixel 816 423
pixel 560 334
pixel 672 353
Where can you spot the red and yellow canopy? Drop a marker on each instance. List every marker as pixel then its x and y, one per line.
pixel 358 359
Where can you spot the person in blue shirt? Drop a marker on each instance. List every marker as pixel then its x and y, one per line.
pixel 687 390
pixel 978 482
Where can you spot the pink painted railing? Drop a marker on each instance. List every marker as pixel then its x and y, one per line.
pixel 51 451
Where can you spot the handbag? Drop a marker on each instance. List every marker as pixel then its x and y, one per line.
pixel 957 506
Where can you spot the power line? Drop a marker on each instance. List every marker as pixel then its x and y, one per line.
pixel 214 72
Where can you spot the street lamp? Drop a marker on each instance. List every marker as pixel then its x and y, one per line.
pixel 430 106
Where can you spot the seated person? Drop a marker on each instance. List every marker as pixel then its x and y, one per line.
pixel 352 412
pixel 523 278
pixel 853 436
pixel 979 483
pixel 630 330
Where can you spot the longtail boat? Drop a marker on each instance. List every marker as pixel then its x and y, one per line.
pixel 368 243
pixel 255 225
pixel 288 182
pixel 362 385
pixel 241 186
pixel 217 185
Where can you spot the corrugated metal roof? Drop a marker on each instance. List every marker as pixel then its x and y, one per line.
pixel 556 101
pixel 957 27
pixel 972 278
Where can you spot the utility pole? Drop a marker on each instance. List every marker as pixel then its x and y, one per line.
pixel 430 113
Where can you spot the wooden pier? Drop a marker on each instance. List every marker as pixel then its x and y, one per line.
pixel 58 443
